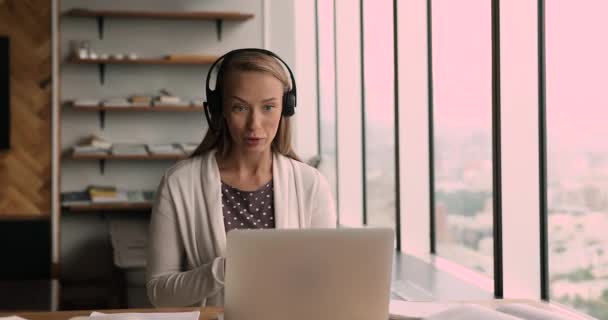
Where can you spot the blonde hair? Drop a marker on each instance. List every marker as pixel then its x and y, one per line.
pixel 221 140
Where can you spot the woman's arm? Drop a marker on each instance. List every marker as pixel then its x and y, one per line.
pixel 324 208
pixel 167 284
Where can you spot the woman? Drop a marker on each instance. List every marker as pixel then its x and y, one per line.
pixel 243 175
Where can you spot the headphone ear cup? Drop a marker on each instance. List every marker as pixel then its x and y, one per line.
pixel 215 104
pixel 289 104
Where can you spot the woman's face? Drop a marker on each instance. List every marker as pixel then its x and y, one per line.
pixel 252 107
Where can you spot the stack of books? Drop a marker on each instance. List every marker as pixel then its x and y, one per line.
pixel 116 102
pixel 140 100
pixel 86 103
pixel 106 194
pixel 165 149
pixel 129 150
pixel 168 99
pixel 140 196
pixel 75 198
pixel 92 145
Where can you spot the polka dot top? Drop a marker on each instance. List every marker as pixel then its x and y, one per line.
pixel 248 209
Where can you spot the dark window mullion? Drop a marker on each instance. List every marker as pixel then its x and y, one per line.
pixel 429 37
pixel 363 146
pixel 396 115
pixel 496 151
pixel 542 152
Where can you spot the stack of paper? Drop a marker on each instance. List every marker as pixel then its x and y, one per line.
pixel 129 150
pixel 171 103
pixel 86 102
pixel 92 145
pixel 116 102
pixel 12 318
pixel 414 310
pixel 194 315
pixel 402 310
pixel 165 149
pixel 129 236
pixel 89 150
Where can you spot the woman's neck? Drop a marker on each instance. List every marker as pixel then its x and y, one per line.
pixel 247 164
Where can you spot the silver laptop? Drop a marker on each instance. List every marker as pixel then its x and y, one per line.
pixel 321 274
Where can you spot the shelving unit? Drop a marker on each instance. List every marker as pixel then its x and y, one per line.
pixel 151 61
pixel 171 55
pixel 127 157
pixel 216 16
pixel 101 63
pixel 102 158
pixel 96 207
pixel 103 109
pixel 139 108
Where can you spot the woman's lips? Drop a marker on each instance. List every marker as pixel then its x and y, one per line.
pixel 253 141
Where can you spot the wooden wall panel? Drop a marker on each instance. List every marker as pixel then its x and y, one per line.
pixel 25 169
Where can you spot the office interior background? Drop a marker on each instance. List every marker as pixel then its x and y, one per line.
pixel 474 128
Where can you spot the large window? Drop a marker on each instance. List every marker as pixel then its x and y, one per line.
pixel 379 128
pixel 462 119
pixel 327 91
pixel 577 153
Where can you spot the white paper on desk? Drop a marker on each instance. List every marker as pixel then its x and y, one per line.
pixel 193 315
pixel 12 318
pixel 414 310
pixel 472 312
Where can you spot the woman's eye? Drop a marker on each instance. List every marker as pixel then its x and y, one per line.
pixel 238 108
pixel 268 107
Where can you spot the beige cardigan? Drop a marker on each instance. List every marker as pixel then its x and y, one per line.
pixel 187 242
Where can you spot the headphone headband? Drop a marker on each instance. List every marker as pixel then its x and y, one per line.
pixel 213 104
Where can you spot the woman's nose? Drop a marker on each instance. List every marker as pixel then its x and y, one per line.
pixel 254 120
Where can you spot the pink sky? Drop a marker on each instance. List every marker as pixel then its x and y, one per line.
pixel 576 62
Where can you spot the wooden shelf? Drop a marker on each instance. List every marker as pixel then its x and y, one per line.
pixel 171 15
pixel 127 157
pixel 101 110
pixel 103 158
pixel 138 206
pixel 207 59
pixel 139 108
pixel 217 16
pixel 101 63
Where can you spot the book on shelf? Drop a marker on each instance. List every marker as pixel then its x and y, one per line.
pixel 89 150
pixel 140 100
pixel 124 149
pixel 75 198
pixel 96 194
pixel 140 196
pixel 116 102
pixel 92 145
pixel 164 149
pixel 86 103
pixel 106 194
pixel 180 103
